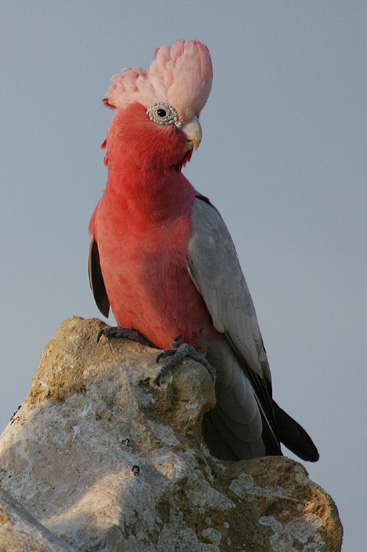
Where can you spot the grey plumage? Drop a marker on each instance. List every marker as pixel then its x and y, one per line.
pixel 244 422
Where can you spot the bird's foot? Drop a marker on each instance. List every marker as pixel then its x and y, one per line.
pixel 119 331
pixel 179 352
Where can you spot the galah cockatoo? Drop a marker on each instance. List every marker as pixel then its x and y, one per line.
pixel 163 259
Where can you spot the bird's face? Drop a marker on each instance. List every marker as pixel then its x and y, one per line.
pixel 152 138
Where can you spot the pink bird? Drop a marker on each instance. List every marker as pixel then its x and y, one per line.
pixel 163 259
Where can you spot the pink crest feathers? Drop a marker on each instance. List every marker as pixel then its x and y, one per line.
pixel 180 75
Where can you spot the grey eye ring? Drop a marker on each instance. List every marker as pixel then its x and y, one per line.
pixel 164 114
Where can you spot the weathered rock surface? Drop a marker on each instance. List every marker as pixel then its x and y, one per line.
pixel 107 461
pixel 20 532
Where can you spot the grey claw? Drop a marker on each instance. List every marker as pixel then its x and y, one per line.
pixel 164 354
pixel 103 331
pixel 176 342
pixel 178 354
pixel 127 333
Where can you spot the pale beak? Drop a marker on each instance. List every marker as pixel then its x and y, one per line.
pixel 193 133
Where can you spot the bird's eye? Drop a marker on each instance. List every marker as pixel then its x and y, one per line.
pixel 163 114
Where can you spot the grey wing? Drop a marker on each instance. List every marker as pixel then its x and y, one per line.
pixel 96 279
pixel 216 272
pixel 245 421
pixel 241 425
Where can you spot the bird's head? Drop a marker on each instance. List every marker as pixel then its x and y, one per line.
pixel 156 124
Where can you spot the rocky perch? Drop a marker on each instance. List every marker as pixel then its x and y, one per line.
pixel 98 458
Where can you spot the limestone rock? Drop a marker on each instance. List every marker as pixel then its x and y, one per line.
pixel 20 532
pixel 107 461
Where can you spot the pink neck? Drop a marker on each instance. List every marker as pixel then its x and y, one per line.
pixel 151 194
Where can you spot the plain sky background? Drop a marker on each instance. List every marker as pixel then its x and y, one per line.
pixel 283 157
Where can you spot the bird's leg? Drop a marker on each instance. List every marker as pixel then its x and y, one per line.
pixel 119 331
pixel 179 352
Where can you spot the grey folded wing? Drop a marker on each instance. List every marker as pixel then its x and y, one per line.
pixel 216 272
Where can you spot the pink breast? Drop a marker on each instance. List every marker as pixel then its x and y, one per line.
pixel 149 286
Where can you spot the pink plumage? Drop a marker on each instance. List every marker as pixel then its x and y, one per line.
pixel 145 186
pixel 180 75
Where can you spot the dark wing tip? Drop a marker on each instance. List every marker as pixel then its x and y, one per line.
pixel 96 279
pixel 293 436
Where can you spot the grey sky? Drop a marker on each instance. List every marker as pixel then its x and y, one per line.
pixel 283 158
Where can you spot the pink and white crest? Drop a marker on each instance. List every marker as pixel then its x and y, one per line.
pixel 180 75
